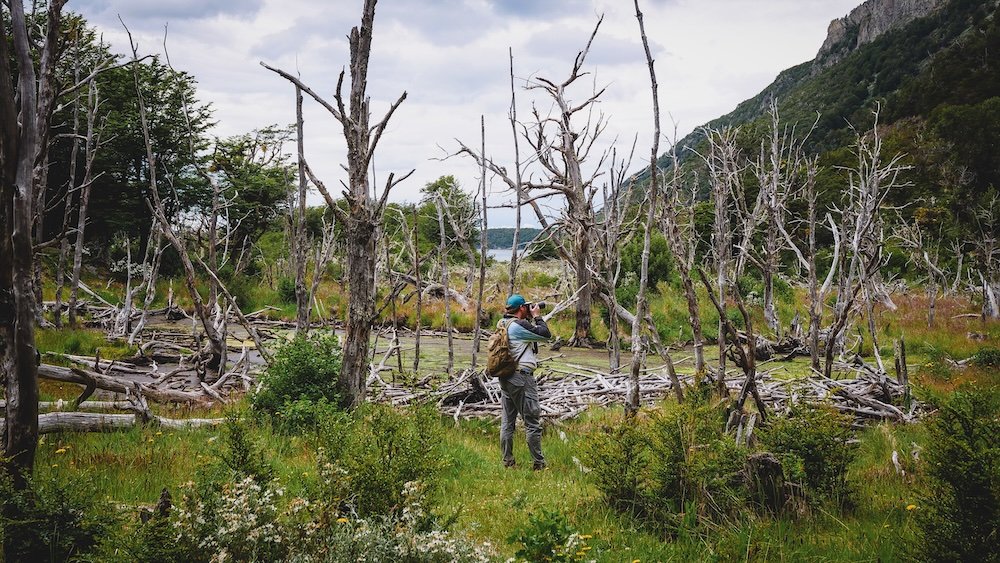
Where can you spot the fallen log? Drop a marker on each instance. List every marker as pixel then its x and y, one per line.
pixel 118 385
pixel 99 422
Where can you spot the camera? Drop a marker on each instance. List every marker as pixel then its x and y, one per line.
pixel 541 304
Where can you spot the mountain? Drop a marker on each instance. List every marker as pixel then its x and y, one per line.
pixel 933 69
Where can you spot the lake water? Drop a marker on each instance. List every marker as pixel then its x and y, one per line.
pixel 499 254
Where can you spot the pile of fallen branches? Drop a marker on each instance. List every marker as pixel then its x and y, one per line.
pixel 566 394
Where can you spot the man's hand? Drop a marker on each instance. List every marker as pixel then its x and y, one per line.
pixel 535 310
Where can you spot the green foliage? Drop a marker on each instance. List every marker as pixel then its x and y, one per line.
pixel 619 459
pixel 51 520
pixel 286 290
pixel 548 536
pixel 959 513
pixel 676 470
pixel 986 358
pixel 369 456
pixel 240 456
pixel 817 439
pixel 661 260
pixel 305 369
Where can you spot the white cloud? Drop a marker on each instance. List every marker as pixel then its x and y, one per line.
pixel 451 57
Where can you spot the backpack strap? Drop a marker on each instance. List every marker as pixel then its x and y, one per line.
pixel 517 360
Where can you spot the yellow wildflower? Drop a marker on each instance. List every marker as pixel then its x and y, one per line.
pixel 911 507
pixel 343 520
pixel 61 451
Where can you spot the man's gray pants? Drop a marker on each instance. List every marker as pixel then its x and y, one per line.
pixel 519 395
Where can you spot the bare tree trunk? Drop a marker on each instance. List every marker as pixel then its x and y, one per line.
pixel 151 272
pixel 415 250
pixel 443 251
pixel 364 215
pixel 216 342
pixel 514 259
pixel 90 151
pixel 299 229
pixel 23 140
pixel 638 350
pixel 484 225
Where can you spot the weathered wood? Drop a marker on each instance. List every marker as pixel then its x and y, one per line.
pixel 117 385
pixel 49 423
pixel 767 481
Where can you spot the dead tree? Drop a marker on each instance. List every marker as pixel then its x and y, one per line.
pixel 91 144
pixel 986 247
pixel 215 347
pixel 638 350
pixel 298 212
pixel 443 253
pixel 483 226
pixel 514 258
pixel 725 176
pixel 361 221
pixel 925 254
pixel 746 351
pixel 562 155
pixel 23 144
pixel 870 183
pixel 681 242
pixel 614 226
pixel 807 259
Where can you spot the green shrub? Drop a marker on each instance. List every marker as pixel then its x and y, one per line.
pixel 661 260
pixel 958 516
pixel 672 469
pixel 618 457
pixel 370 456
pixel 51 520
pixel 548 536
pixel 986 358
pixel 695 461
pixel 305 368
pixel 304 415
pixel 286 290
pixel 817 439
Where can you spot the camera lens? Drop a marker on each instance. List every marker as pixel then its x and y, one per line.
pixel 541 304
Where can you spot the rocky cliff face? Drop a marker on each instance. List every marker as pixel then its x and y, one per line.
pixel 866 23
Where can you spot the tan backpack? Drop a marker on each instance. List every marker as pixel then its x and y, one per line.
pixel 499 361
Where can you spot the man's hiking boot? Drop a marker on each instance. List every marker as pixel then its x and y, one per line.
pixel 509 463
pixel 539 466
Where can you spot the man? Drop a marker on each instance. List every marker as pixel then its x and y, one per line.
pixel 519 393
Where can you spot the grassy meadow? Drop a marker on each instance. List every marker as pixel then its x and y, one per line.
pixel 488 503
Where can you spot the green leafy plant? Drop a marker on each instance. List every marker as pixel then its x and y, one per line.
pixel 818 439
pixel 548 536
pixel 958 514
pixel 51 520
pixel 369 456
pixel 305 369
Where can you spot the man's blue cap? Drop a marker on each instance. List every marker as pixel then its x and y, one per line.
pixel 515 301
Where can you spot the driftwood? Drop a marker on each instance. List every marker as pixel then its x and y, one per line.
pixel 118 385
pixel 101 422
pixel 565 394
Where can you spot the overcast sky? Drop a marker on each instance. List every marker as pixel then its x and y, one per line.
pixel 451 57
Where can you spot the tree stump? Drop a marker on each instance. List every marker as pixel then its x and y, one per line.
pixel 766 481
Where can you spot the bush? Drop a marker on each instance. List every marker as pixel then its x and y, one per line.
pixel 304 369
pixel 548 537
pixel 986 358
pixel 670 470
pixel 958 517
pixel 52 521
pixel 661 260
pixel 618 458
pixel 370 456
pixel 286 290
pixel 817 440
